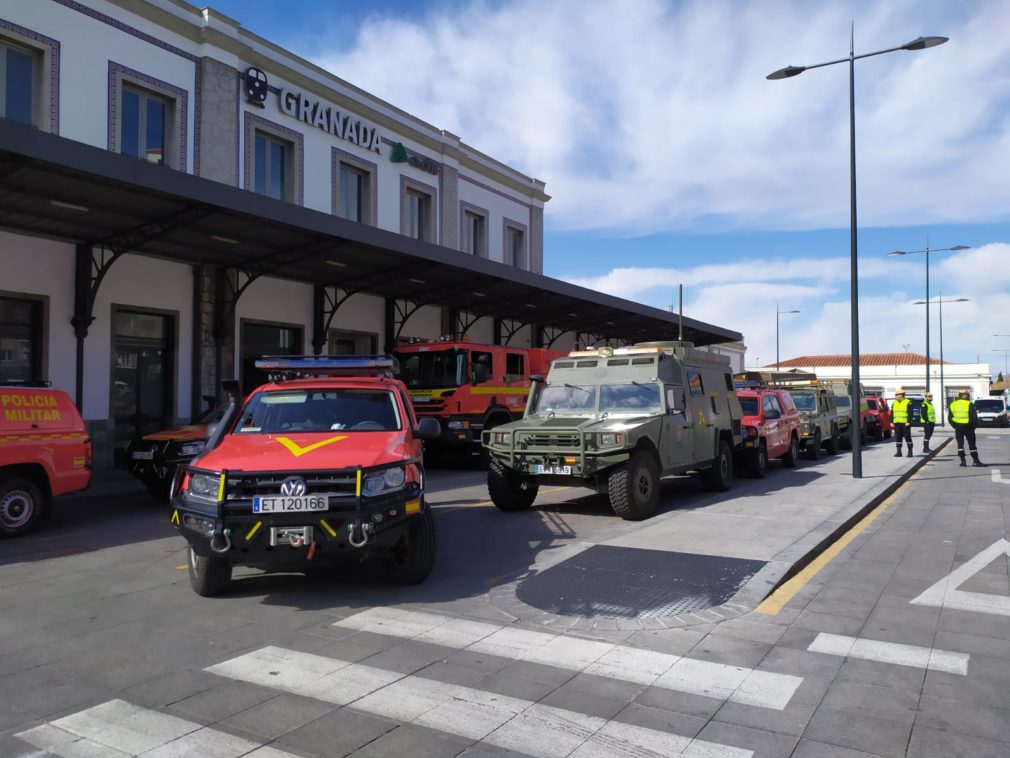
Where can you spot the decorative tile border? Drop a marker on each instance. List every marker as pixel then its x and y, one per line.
pixel 407 183
pixel 117 24
pixel 251 124
pixel 118 74
pixel 52 48
pixel 465 207
pixel 489 188
pixel 339 156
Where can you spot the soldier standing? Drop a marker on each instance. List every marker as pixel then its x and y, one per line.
pixel 964 419
pixel 927 413
pixel 899 417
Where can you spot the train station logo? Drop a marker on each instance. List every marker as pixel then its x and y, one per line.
pixel 256 87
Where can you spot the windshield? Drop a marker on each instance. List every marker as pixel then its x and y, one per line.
pixel 871 404
pixel 844 401
pixel 805 401
pixel 630 398
pixel 566 399
pixel 991 406
pixel 433 370
pixel 749 406
pixel 297 411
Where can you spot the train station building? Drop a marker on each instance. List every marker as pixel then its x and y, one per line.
pixel 179 196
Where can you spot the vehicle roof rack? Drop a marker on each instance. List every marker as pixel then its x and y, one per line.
pixel 287 367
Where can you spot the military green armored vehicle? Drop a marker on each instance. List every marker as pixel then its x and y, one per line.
pixel 818 409
pixel 617 420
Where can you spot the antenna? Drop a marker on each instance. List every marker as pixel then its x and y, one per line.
pixel 680 317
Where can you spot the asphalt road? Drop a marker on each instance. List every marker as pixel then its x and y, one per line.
pixel 105 651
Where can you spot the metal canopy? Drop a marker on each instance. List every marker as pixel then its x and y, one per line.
pixel 54 187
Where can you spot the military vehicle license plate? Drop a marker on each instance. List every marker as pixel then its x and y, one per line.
pixel 540 469
pixel 297 504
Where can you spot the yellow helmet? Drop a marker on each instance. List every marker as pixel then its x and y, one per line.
pixel 899 391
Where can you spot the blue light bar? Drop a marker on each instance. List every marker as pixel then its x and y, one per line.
pixel 292 366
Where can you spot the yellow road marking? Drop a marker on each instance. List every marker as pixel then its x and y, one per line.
pixel 297 450
pixel 781 597
pixel 183 567
pixel 495 579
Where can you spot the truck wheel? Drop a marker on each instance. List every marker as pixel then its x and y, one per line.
pixel 832 444
pixel 846 439
pixel 21 506
pixel 790 458
pixel 208 576
pixel 508 490
pixel 634 487
pixel 757 461
pixel 814 446
pixel 719 477
pixel 414 555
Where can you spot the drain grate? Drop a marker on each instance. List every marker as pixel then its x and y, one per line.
pixel 625 582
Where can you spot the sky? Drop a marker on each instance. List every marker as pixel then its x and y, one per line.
pixel 671 159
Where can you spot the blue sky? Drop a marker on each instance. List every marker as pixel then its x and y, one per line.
pixel 671 159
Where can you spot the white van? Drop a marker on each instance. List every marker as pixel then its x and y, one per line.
pixel 992 411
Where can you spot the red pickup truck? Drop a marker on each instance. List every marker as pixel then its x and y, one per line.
pixel 770 429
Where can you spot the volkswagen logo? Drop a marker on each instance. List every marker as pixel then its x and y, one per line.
pixel 293 486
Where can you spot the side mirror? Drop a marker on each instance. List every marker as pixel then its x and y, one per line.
pixel 773 415
pixel 428 429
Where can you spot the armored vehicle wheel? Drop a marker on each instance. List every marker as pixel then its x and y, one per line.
pixel 790 458
pixel 21 505
pixel 414 555
pixel 757 461
pixel 719 477
pixel 634 487
pixel 814 446
pixel 832 444
pixel 208 576
pixel 508 490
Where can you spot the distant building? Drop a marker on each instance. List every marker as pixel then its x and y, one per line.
pixel 885 372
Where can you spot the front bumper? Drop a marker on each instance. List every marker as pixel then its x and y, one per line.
pixel 545 455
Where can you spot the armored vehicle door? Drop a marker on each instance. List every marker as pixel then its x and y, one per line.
pixel 701 411
pixel 677 446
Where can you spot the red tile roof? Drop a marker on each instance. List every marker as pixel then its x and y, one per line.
pixel 866 359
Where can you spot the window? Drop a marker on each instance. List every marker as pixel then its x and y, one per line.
pixel 514 367
pixel 272 166
pixel 20 340
pixel 474 234
pixel 480 367
pixel 144 119
pixel 514 247
pixel 418 209
pixel 354 194
pixel 694 381
pixel 19 75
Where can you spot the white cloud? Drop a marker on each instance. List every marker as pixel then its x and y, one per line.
pixel 654 115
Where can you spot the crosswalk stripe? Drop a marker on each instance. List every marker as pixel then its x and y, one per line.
pixel 933 659
pixel 118 729
pixel 765 689
pixel 499 720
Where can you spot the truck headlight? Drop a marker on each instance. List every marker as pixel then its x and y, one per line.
pixel 610 439
pixel 204 485
pixel 384 481
pixel 192 448
pixel 457 425
pixel 501 438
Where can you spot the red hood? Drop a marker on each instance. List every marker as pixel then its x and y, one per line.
pixel 317 450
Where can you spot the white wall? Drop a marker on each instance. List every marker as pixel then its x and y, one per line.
pixel 499 208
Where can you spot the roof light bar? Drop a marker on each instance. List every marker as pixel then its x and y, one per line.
pixel 298 366
pixel 606 352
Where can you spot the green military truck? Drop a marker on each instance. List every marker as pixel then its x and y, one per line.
pixel 617 420
pixel 818 407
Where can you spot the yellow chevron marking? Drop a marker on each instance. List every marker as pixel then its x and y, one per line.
pixel 298 451
pixel 175 517
pixel 252 532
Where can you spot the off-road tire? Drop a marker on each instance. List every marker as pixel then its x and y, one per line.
pixel 414 555
pixel 633 487
pixel 814 446
pixel 845 440
pixel 793 454
pixel 757 461
pixel 21 506
pixel 509 491
pixel 719 477
pixel 831 446
pixel 208 576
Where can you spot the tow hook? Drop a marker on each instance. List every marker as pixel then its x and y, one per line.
pixel 223 533
pixel 367 534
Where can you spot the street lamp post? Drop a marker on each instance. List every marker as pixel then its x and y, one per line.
pixel 927 251
pixel 777 314
pixel 1003 350
pixel 920 43
pixel 940 301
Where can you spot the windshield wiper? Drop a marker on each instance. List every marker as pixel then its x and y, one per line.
pixel 576 387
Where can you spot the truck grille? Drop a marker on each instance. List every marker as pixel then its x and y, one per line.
pixel 553 440
pixel 246 487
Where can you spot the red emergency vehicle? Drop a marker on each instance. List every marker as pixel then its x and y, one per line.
pixel 770 426
pixel 468 387
pixel 44 451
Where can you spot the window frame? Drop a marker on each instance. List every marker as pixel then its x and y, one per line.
pixel 295 168
pixel 512 226
pixel 176 114
pixel 411 187
pixel 144 96
pixel 39 331
pixel 468 209
pixel 340 159
pixel 46 73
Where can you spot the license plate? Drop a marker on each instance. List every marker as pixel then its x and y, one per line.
pixel 284 504
pixel 422 398
pixel 561 470
pixel 141 455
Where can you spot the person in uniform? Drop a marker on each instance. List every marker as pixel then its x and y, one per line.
pixel 964 419
pixel 899 417
pixel 927 412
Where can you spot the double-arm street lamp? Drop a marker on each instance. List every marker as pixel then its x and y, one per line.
pixel 778 313
pixel 927 252
pixel 920 43
pixel 1003 350
pixel 940 301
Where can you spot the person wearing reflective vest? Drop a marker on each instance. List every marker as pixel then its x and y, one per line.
pixel 964 419
pixel 927 413
pixel 899 417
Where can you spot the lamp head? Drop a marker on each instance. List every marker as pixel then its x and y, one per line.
pixel 898 252
pixel 961 247
pixel 921 43
pixel 785 73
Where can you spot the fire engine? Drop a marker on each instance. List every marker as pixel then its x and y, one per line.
pixel 468 387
